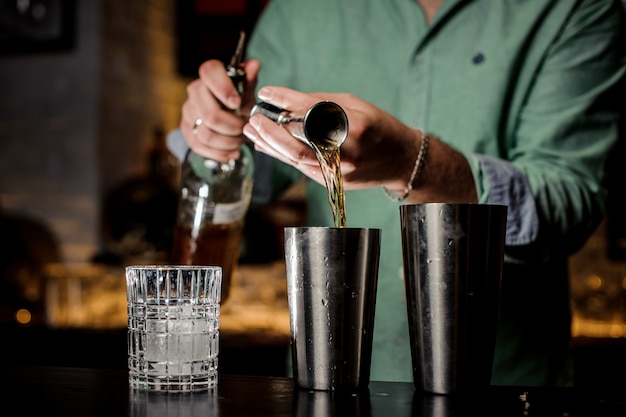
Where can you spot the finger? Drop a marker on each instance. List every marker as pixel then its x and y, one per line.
pixel 252 68
pixel 286 98
pixel 311 171
pixel 281 141
pixel 207 127
pixel 271 152
pixel 304 160
pixel 202 104
pixel 208 143
pixel 214 76
pixel 208 149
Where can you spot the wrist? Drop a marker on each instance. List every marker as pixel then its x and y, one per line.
pixel 420 159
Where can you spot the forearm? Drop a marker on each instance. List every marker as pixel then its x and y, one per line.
pixel 445 176
pixel 448 177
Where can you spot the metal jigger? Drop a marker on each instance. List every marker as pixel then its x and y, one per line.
pixel 325 124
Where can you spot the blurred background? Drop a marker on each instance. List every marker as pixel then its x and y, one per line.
pixel 88 91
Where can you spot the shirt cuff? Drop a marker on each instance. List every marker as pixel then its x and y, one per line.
pixel 508 186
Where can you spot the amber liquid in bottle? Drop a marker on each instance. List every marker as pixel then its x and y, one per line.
pixel 215 244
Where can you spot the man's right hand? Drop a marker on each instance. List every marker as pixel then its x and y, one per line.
pixel 209 122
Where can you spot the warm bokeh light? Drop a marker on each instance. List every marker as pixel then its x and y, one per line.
pixel 94 297
pixel 593 282
pixel 23 316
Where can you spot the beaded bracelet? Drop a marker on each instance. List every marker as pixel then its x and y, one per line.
pixel 419 162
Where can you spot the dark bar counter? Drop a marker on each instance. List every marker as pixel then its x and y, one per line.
pixel 61 391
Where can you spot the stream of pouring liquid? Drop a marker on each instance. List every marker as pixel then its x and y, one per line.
pixel 331 170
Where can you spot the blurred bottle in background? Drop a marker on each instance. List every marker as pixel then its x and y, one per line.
pixel 139 213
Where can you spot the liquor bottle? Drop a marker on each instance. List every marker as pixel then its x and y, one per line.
pixel 213 201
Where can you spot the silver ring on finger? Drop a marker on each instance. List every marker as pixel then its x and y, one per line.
pixel 196 124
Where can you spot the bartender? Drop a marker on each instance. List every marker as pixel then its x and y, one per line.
pixel 507 102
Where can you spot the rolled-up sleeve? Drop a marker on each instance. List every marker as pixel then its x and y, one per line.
pixel 508 186
pixel 551 171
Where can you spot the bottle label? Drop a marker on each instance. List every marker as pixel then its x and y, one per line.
pixel 229 212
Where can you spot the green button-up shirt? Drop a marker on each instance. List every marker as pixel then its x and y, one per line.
pixel 526 90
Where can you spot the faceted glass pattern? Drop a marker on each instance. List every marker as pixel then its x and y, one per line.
pixel 173 326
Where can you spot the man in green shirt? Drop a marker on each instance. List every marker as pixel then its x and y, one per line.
pixel 520 101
